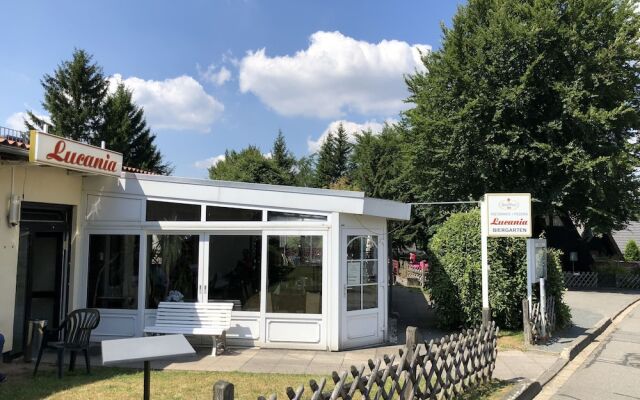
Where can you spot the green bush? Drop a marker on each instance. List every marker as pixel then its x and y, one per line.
pixel 631 251
pixel 554 286
pixel 455 274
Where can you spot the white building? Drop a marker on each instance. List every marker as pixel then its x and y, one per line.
pixel 305 268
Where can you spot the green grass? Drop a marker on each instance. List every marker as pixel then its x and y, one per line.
pixel 493 391
pixel 511 340
pixel 121 383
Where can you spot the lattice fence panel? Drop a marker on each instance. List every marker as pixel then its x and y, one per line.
pixel 535 319
pixel 628 281
pixel 582 280
pixel 407 271
pixel 442 369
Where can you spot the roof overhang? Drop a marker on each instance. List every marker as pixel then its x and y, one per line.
pixel 250 194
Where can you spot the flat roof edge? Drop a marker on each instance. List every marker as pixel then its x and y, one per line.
pixel 245 185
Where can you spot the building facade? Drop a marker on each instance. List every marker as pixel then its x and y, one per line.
pixel 305 268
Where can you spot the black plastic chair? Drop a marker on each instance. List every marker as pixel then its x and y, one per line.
pixel 76 329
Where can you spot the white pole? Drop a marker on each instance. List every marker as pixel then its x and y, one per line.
pixel 530 268
pixel 543 308
pixel 484 232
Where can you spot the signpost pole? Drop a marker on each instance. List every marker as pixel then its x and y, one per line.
pixel 486 314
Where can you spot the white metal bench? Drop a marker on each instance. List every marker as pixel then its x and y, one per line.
pixel 212 319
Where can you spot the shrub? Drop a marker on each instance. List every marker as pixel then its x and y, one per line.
pixel 631 251
pixel 454 280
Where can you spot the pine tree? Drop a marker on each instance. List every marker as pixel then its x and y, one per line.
pixel 80 108
pixel 73 97
pixel 125 130
pixel 326 168
pixel 334 159
pixel 284 159
pixel 342 153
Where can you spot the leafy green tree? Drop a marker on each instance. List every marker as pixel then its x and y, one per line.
pixel 247 165
pixel 305 171
pixel 631 251
pixel 125 130
pixel 532 96
pixel 74 96
pixel 284 159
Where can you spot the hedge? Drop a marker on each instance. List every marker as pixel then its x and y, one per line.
pixel 455 274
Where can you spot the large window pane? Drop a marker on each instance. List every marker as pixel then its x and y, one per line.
pixel 234 270
pixel 166 211
pixel 294 278
pixel 232 214
pixel 113 271
pixel 172 273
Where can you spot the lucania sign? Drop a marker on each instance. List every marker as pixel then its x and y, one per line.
pixel 60 152
pixel 509 214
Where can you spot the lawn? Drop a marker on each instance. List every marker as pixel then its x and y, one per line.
pixel 119 383
pixel 511 340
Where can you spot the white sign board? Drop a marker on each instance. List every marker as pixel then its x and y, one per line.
pixel 508 214
pixel 60 152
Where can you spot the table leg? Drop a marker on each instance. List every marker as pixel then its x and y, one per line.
pixel 147 380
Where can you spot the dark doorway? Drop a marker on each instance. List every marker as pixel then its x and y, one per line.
pixel 43 268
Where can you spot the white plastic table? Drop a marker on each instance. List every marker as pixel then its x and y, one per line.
pixel 145 349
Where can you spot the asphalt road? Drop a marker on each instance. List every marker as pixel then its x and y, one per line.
pixel 612 370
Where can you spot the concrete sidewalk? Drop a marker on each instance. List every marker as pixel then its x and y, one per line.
pixel 588 307
pixel 611 371
pixel 511 365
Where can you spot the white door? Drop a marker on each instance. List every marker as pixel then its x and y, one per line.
pixel 364 278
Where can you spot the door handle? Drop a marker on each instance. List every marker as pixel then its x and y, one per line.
pixel 199 288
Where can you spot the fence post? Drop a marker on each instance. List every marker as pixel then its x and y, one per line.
pixel 223 390
pixel 411 343
pixel 526 325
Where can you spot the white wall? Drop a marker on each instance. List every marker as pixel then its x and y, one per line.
pixel 38 184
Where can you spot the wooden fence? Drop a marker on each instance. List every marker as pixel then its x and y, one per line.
pixel 533 322
pixel 442 369
pixel 582 280
pixel 407 271
pixel 593 280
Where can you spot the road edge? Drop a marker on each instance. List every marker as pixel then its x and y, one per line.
pixel 528 389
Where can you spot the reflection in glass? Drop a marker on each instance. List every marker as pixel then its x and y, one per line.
pixel 369 272
pixel 287 216
pixel 362 272
pixel 113 271
pixel 172 268
pixel 369 296
pixel 294 279
pixel 167 211
pixel 234 270
pixel 215 213
pixel 353 298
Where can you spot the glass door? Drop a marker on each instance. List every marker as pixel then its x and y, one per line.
pixel 364 279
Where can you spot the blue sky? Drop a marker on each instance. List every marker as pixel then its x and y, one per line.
pixel 216 75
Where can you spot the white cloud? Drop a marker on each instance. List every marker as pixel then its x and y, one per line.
pixel 16 120
pixel 336 74
pixel 351 128
pixel 178 104
pixel 209 162
pixel 214 75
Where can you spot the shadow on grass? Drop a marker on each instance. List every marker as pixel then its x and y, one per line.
pixel 21 385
